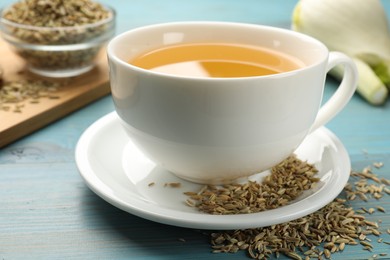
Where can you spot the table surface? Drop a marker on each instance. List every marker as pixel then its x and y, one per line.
pixel 48 212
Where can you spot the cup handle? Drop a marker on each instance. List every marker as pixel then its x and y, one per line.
pixel 343 93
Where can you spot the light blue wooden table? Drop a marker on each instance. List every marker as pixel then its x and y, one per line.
pixel 47 211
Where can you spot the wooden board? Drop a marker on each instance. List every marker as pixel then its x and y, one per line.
pixel 73 94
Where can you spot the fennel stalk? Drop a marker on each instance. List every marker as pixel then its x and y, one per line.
pixel 359 28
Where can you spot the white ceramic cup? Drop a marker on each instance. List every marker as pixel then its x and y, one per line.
pixel 214 130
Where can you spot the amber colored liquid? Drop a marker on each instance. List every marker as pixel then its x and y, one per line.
pixel 217 60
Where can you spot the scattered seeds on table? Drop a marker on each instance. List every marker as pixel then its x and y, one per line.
pixel 381 209
pixel 14 93
pixel 378 165
pixel 318 235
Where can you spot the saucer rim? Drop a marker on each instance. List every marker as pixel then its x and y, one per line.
pixel 201 220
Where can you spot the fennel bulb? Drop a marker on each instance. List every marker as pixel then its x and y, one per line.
pixel 359 28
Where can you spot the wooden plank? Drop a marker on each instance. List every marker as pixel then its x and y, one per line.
pixel 73 94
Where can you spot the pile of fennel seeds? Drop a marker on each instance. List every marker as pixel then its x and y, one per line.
pixel 316 236
pixel 287 181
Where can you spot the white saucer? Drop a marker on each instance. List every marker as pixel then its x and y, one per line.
pixel 119 173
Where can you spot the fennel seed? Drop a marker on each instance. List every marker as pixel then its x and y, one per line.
pixel 173 184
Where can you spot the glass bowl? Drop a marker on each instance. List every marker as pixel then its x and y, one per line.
pixel 59 51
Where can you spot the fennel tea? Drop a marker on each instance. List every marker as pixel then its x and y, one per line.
pixel 216 60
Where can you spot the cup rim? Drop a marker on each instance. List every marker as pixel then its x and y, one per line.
pixel 111 51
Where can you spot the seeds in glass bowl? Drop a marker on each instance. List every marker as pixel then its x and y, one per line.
pixel 56 13
pixel 57 22
pixel 58 38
